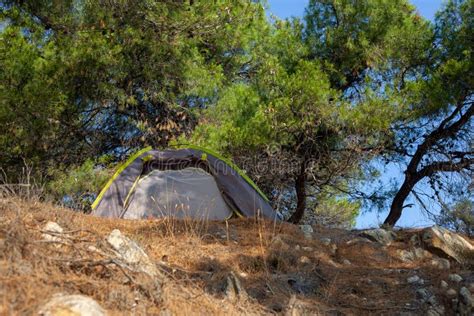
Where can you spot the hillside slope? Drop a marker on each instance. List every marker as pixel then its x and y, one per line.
pixel 244 267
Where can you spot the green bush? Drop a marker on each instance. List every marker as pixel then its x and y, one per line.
pixel 77 187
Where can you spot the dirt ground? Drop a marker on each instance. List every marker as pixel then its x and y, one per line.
pixel 281 270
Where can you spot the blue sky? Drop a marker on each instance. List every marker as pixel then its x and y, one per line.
pixel 287 8
pixel 412 217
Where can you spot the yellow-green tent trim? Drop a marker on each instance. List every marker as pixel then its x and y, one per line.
pixel 118 172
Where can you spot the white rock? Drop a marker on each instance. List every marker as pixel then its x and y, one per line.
pixel 307 248
pixel 346 262
pixel 455 278
pixel 51 231
pixel 443 284
pixel 73 305
pixel 304 259
pixel 415 280
pixel 451 293
pixel 451 244
pixel 132 254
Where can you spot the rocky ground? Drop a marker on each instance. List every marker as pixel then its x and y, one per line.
pixel 57 262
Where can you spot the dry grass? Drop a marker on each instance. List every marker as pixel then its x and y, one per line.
pixel 197 257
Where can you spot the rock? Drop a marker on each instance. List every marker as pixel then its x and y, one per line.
pixel 405 255
pixel 421 253
pixel 451 293
pixel 234 289
pixel 71 305
pixel 443 284
pixel 307 231
pixel 441 263
pixel 51 231
pixel 415 280
pixel 297 248
pixel 412 255
pixel 455 278
pixel 243 275
pixel 358 240
pixel 382 236
pixel 437 310
pixel 128 251
pixel 346 262
pixel 325 241
pixel 423 294
pixel 466 297
pixel 307 249
pixel 304 260
pixel 449 244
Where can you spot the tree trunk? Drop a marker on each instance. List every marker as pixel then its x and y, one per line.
pixel 300 186
pixel 397 204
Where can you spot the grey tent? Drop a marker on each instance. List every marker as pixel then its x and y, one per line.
pixel 192 182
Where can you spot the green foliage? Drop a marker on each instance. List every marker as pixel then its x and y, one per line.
pixel 460 217
pixel 331 211
pixel 87 78
pixel 77 186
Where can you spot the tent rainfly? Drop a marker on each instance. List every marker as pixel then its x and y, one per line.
pixel 192 182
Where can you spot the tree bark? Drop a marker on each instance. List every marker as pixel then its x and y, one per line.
pixel 300 186
pixel 397 204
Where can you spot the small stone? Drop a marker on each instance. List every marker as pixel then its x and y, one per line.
pixel 441 263
pixel 243 275
pixel 346 262
pixel 432 312
pixel 304 259
pixel 297 248
pixel 455 278
pixel 466 297
pixel 443 284
pixel 325 241
pixel 307 248
pixel 51 231
pixel 423 294
pixel 415 280
pixel 129 251
pixel 78 305
pixel 307 231
pixel 451 293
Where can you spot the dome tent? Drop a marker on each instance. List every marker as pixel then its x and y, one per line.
pixel 192 182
